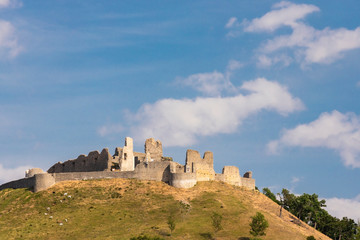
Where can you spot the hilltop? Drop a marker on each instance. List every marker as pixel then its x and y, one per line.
pixel 123 208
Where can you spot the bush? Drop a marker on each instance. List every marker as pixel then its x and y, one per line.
pixel 310 238
pixel 171 223
pixel 258 225
pixel 216 221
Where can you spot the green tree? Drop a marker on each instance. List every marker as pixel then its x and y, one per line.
pixel 309 209
pixel 216 221
pixel 310 238
pixel 171 223
pixel 258 225
pixel 269 194
pixel 357 235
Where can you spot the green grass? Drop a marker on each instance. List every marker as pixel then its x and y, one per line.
pixel 121 209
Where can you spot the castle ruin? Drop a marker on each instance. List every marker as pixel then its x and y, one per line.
pixel 125 163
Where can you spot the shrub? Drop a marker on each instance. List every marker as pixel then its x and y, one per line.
pixel 171 223
pixel 310 238
pixel 258 225
pixel 216 221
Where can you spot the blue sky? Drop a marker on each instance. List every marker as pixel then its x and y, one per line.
pixel 268 86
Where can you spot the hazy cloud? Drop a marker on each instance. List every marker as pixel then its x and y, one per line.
pixel 231 23
pixel 110 129
pixel 8 40
pixel 10 3
pixel 265 61
pixel 212 83
pixel 179 122
pixel 342 207
pixel 295 180
pixel 337 131
pixel 10 174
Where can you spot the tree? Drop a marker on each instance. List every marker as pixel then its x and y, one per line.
pixel 357 235
pixel 216 221
pixel 269 194
pixel 171 223
pixel 310 238
pixel 258 225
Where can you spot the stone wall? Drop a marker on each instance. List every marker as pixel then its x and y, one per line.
pixel 150 165
pixel 203 167
pixel 231 175
pixel 95 161
pixel 183 180
pixel 154 148
pixel 248 183
pixel 21 183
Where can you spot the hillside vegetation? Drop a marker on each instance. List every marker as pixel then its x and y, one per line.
pixel 124 208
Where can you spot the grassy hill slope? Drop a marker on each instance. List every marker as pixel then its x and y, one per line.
pixel 123 208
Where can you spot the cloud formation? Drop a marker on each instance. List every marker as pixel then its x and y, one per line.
pixel 10 3
pixel 306 44
pixel 10 174
pixel 8 40
pixel 284 14
pixel 213 83
pixel 335 130
pixel 342 207
pixel 179 122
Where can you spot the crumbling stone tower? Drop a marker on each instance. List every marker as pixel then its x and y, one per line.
pixel 203 167
pixel 153 149
pixel 127 162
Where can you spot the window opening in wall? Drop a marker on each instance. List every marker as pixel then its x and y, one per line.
pixel 125 156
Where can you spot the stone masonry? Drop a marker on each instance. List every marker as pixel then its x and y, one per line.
pixel 125 163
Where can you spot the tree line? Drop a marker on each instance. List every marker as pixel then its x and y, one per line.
pixel 310 210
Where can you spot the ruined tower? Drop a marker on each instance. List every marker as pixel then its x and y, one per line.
pixel 127 162
pixel 154 149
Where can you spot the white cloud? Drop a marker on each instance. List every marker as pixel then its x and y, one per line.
pixel 309 45
pixel 213 83
pixel 234 65
pixel 110 129
pixel 316 46
pixel 10 3
pixel 328 44
pixel 337 131
pixel 265 61
pixel 295 180
pixel 342 207
pixel 231 23
pixel 284 14
pixel 10 174
pixel 8 41
pixel 179 122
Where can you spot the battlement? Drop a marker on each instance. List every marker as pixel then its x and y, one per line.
pixel 125 163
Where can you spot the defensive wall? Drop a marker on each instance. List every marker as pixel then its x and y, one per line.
pixel 126 163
